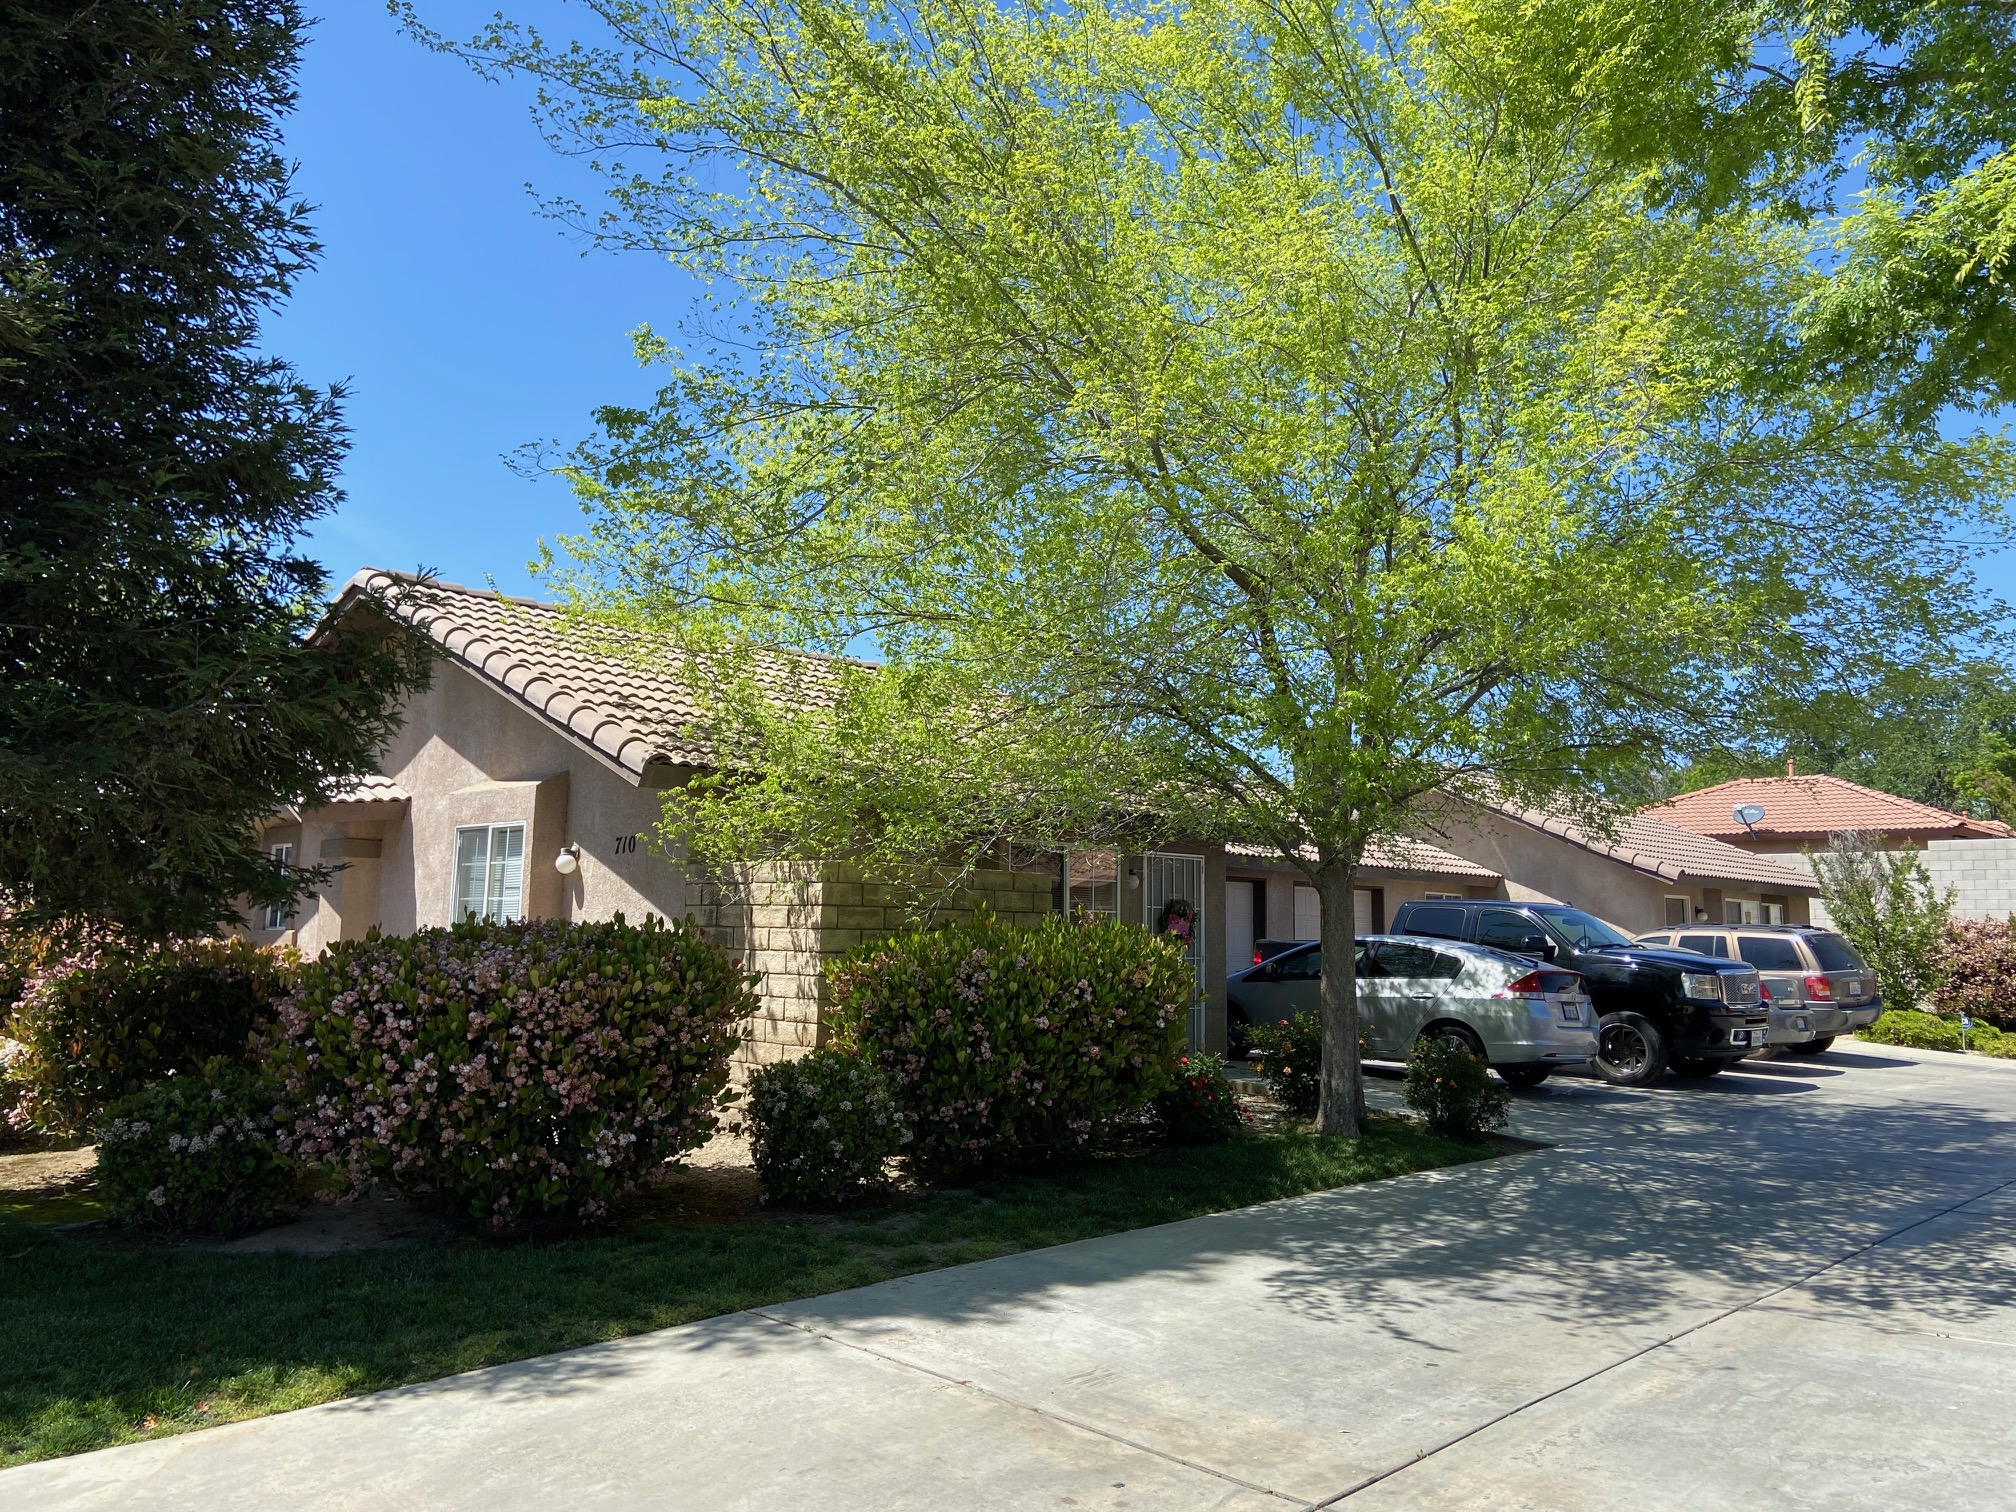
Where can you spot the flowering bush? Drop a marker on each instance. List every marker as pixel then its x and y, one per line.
pixel 99 1024
pixel 1291 1062
pixel 823 1128
pixel 193 1154
pixel 1977 968
pixel 530 1068
pixel 1451 1086
pixel 1005 1039
pixel 1202 1107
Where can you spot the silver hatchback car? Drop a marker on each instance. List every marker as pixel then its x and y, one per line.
pixel 1818 984
pixel 1526 1018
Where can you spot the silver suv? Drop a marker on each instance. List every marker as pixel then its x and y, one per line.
pixel 1820 987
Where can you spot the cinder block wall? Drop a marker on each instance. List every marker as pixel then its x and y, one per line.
pixel 1981 873
pixel 788 920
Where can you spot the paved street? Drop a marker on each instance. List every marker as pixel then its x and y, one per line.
pixel 1789 1288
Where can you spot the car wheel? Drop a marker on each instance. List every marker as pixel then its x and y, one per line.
pixel 1238 1033
pixel 1700 1066
pixel 1524 1076
pixel 1457 1033
pixel 1812 1046
pixel 1630 1050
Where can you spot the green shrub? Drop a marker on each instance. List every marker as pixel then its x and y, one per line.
pixel 1202 1107
pixel 1291 1061
pixel 529 1069
pixel 824 1128
pixel 1977 969
pixel 1006 1040
pixel 1916 1031
pixel 193 1154
pixel 1451 1087
pixel 96 1027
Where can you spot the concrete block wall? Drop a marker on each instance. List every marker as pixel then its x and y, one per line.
pixel 1981 873
pixel 788 921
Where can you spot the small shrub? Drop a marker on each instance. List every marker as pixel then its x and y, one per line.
pixel 1006 1040
pixel 97 1026
pixel 1977 966
pixel 1291 1062
pixel 1201 1108
pixel 824 1128
pixel 529 1069
pixel 1914 1030
pixel 193 1154
pixel 1452 1089
pixel 1886 905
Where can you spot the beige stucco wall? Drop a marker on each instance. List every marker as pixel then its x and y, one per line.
pixel 1543 868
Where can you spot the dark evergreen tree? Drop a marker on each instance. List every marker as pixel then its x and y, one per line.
pixel 159 690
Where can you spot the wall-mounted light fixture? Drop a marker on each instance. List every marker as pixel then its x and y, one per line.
pixel 568 861
pixel 1133 878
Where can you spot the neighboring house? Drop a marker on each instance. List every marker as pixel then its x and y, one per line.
pixel 1976 858
pixel 1644 874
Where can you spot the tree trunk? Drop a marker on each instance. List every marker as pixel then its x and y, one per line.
pixel 1342 1110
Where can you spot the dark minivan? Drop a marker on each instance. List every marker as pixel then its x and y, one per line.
pixel 1656 1009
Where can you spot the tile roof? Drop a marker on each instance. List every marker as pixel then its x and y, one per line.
pixel 612 699
pixel 1665 850
pixel 1815 806
pixel 1395 853
pixel 374 787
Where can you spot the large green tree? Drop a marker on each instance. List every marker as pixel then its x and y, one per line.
pixel 1891 124
pixel 157 692
pixel 1267 409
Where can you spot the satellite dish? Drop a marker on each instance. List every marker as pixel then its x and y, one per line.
pixel 1749 814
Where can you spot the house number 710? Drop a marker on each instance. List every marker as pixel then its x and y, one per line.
pixel 625 844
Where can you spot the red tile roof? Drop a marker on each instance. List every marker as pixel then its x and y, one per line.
pixel 1815 807
pixel 1386 853
pixel 608 694
pixel 1652 844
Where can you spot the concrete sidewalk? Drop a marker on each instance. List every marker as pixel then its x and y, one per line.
pixel 1786 1288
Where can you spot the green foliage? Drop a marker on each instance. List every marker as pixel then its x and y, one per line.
pixel 96 1027
pixel 160 697
pixel 1452 1088
pixel 535 1069
pixel 824 1128
pixel 1005 1041
pixel 1884 902
pixel 193 1154
pixel 1188 384
pixel 1918 1031
pixel 1977 971
pixel 1202 1108
pixel 1291 1061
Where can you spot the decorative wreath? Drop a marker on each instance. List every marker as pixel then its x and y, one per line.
pixel 1179 918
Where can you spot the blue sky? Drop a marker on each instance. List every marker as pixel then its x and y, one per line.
pixel 465 323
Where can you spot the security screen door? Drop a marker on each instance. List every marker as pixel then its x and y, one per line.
pixel 1167 879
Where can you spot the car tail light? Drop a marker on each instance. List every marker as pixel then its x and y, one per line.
pixel 1820 989
pixel 1257 957
pixel 1526 986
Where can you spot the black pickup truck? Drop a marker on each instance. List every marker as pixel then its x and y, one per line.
pixel 1656 1009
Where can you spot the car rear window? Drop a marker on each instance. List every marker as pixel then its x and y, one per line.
pixel 1560 981
pixel 1443 923
pixel 1835 954
pixel 1770 952
pixel 1399 958
pixel 1713 945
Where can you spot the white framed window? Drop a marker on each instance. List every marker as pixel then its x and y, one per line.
pixel 1679 909
pixel 1742 911
pixel 489 872
pixel 276 916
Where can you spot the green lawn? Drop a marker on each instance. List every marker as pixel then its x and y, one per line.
pixel 103 1346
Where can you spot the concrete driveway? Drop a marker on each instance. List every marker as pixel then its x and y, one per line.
pixel 1794 1287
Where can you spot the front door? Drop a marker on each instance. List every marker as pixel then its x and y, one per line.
pixel 1172 899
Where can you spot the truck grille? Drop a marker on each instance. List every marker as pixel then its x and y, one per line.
pixel 1741 989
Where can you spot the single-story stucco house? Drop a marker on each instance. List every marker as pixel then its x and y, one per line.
pixel 529 781
pixel 1974 858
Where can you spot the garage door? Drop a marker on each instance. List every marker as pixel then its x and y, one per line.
pixel 1309 914
pixel 1239 924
